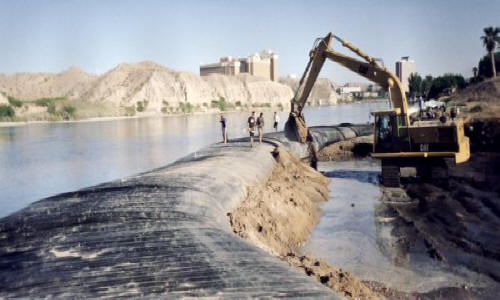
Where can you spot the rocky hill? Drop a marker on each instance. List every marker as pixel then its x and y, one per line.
pixel 323 92
pixel 31 86
pixel 130 89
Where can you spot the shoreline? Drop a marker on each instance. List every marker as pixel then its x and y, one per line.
pixel 143 116
pixel 4 124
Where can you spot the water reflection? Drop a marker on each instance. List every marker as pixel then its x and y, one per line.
pixel 359 175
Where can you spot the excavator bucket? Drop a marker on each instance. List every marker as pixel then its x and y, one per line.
pixel 295 128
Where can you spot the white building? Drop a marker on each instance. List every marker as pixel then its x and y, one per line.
pixel 349 89
pixel 404 68
pixel 262 64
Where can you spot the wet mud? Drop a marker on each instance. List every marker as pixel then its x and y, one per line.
pixel 417 242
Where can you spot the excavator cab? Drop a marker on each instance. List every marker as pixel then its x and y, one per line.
pixel 390 132
pixel 383 131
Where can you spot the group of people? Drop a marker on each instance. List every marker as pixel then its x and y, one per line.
pixel 439 113
pixel 253 124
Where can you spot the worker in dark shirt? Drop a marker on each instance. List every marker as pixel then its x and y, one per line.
pixel 223 122
pixel 260 126
pixel 251 127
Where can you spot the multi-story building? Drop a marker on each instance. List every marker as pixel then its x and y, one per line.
pixel 262 64
pixel 346 89
pixel 404 68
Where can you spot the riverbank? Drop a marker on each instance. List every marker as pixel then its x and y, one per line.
pixel 142 116
pixel 162 115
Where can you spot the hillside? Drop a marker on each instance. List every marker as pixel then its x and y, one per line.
pixel 32 86
pixel 134 89
pixel 481 100
pixel 323 92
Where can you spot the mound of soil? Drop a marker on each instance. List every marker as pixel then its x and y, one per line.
pixel 335 278
pixel 357 147
pixel 278 215
pixel 479 101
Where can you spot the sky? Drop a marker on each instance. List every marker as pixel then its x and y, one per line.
pixel 95 36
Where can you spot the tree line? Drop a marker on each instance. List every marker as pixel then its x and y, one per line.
pixel 433 87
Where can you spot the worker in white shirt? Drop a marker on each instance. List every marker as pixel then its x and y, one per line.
pixel 276 121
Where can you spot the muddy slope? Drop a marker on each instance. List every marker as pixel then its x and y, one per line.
pixel 279 214
pixel 461 218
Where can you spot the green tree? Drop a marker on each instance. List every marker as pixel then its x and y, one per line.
pixel 446 83
pixel 490 39
pixel 6 112
pixel 415 84
pixel 485 69
pixel 15 102
pixel 426 85
pixel 69 112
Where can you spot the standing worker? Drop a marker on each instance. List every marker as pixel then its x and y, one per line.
pixel 421 106
pixel 260 126
pixel 223 122
pixel 276 121
pixel 251 127
pixel 453 113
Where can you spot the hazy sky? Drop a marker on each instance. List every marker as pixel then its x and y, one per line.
pixel 41 36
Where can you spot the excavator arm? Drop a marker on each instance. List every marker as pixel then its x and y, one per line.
pixel 295 127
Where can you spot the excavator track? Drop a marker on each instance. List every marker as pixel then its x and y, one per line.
pixel 391 173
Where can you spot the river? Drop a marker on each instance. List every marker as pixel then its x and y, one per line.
pixel 42 160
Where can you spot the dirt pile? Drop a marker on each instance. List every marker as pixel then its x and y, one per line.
pixel 480 100
pixel 357 147
pixel 278 215
pixel 336 279
pixel 484 134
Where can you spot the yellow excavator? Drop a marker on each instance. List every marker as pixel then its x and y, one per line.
pixel 429 146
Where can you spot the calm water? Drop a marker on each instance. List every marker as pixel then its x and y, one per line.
pixel 42 160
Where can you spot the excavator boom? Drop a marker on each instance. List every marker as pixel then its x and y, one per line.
pixel 295 128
